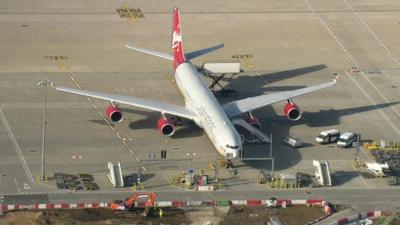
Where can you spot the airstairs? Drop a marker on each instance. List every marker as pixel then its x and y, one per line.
pixel 115 174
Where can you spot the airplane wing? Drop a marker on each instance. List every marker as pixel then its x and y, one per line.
pixel 236 108
pixel 159 106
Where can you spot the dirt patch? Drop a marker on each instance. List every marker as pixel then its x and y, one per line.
pixel 21 217
pixel 207 215
pixel 171 216
pixel 260 215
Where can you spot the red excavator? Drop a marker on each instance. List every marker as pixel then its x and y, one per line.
pixel 141 203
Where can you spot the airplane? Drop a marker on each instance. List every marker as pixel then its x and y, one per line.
pixel 201 106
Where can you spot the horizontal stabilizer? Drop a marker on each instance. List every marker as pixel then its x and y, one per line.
pixel 203 51
pixel 151 52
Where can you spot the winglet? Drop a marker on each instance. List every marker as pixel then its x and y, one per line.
pixel 335 77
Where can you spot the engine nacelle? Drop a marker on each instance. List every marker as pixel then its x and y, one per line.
pixel 292 112
pixel 114 114
pixel 253 121
pixel 165 126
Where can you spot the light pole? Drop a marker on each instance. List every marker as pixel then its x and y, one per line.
pixel 45 83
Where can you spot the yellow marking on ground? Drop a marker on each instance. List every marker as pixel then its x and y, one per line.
pixel 353 166
pixel 249 64
pixel 61 64
pixel 64 67
pixel 134 18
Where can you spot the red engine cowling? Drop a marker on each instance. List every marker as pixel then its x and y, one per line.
pixel 292 112
pixel 253 121
pixel 165 126
pixel 114 114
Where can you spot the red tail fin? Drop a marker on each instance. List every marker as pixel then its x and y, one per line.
pixel 177 46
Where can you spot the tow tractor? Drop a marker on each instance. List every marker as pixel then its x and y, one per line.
pixel 139 203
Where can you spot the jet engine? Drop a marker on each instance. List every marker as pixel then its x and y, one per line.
pixel 253 121
pixel 292 111
pixel 114 114
pixel 165 126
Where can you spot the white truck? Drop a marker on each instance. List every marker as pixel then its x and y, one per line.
pixel 346 139
pixel 328 136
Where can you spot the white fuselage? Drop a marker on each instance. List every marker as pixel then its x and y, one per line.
pixel 208 112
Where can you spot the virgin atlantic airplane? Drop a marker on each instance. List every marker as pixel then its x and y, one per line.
pixel 201 106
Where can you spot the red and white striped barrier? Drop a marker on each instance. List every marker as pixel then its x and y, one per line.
pixel 370 214
pixel 174 204
pixel 9 207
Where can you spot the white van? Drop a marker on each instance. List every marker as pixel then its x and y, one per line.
pixel 347 139
pixel 328 136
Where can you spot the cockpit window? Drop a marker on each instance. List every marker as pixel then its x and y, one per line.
pixel 232 147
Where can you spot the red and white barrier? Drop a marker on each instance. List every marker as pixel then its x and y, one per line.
pixel 164 203
pixel 254 202
pixel 313 202
pixel 370 214
pixel 299 202
pixel 239 202
pixel 177 204
pixel 9 207
pixel 194 203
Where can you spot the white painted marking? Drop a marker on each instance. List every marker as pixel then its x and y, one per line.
pixel 15 181
pixel 258 74
pixel 26 186
pixel 333 36
pixel 358 66
pixel 373 103
pixel 16 146
pixel 363 22
pixel 380 93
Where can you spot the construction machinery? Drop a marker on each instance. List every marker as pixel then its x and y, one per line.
pixel 143 203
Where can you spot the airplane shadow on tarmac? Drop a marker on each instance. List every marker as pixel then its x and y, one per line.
pixel 189 129
pixel 332 116
pixel 342 177
pixel 131 179
pixel 259 84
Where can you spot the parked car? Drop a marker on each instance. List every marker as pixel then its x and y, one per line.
pixel 328 136
pixel 347 139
